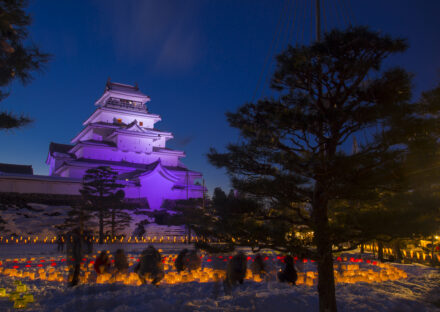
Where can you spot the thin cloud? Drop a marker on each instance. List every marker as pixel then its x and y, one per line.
pixel 164 32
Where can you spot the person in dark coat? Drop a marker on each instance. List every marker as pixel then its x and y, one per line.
pixel 189 260
pixel 102 263
pixel 88 242
pixel 180 260
pixel 288 275
pixel 60 242
pixel 258 267
pixel 75 253
pixel 121 262
pixel 150 266
pixel 193 261
pixel 235 271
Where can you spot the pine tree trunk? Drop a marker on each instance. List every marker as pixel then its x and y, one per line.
pixel 188 230
pixel 113 223
pixel 380 250
pixel 101 225
pixel 81 219
pixel 397 251
pixel 362 248
pixel 326 278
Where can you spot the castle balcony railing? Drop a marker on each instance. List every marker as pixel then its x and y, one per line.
pixel 127 106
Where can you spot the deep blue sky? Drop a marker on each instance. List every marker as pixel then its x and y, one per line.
pixel 195 59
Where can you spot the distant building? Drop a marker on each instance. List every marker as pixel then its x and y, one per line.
pixel 121 134
pixel 15 169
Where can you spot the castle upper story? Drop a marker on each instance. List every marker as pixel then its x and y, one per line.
pixel 121 133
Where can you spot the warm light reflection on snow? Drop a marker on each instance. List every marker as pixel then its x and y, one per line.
pixel 55 270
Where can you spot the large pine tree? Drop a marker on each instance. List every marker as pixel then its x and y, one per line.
pixel 295 156
pixel 18 60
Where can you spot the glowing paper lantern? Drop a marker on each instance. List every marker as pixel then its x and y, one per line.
pixel 309 282
pixel 21 288
pixel 20 304
pixel 14 296
pixel 28 297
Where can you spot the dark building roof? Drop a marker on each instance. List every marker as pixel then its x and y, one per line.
pixel 96 142
pixel 20 169
pixel 115 86
pixel 59 148
pixel 107 163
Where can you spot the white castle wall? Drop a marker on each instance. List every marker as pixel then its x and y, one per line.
pixel 101 153
pixel 39 185
pixel 112 116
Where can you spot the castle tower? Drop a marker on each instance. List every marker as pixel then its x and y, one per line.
pixel 121 134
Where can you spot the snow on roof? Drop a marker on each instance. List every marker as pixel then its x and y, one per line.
pixel 166 149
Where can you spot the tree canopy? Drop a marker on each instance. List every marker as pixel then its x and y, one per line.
pixel 19 58
pixel 294 157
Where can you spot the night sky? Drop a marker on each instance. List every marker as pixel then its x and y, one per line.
pixel 195 59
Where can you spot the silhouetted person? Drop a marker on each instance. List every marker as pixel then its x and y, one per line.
pixel 193 261
pixel 150 266
pixel 188 260
pixel 75 253
pixel 258 267
pixel 180 260
pixel 60 242
pixel 235 271
pixel 288 275
pixel 102 263
pixel 88 242
pixel 121 262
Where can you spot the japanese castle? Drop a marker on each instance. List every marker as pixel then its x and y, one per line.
pixel 121 134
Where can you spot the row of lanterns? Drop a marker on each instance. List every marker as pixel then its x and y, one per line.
pixel 415 255
pixel 55 270
pixel 107 240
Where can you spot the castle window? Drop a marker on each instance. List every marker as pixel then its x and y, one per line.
pixel 141 123
pixel 119 120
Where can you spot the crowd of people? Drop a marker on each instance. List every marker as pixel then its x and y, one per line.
pixel 151 268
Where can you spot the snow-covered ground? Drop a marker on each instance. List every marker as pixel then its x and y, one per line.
pixel 419 292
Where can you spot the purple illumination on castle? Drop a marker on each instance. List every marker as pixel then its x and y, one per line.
pixel 121 134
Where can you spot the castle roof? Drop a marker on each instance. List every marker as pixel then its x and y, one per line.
pixel 114 90
pixel 59 148
pixel 139 168
pixel 124 88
